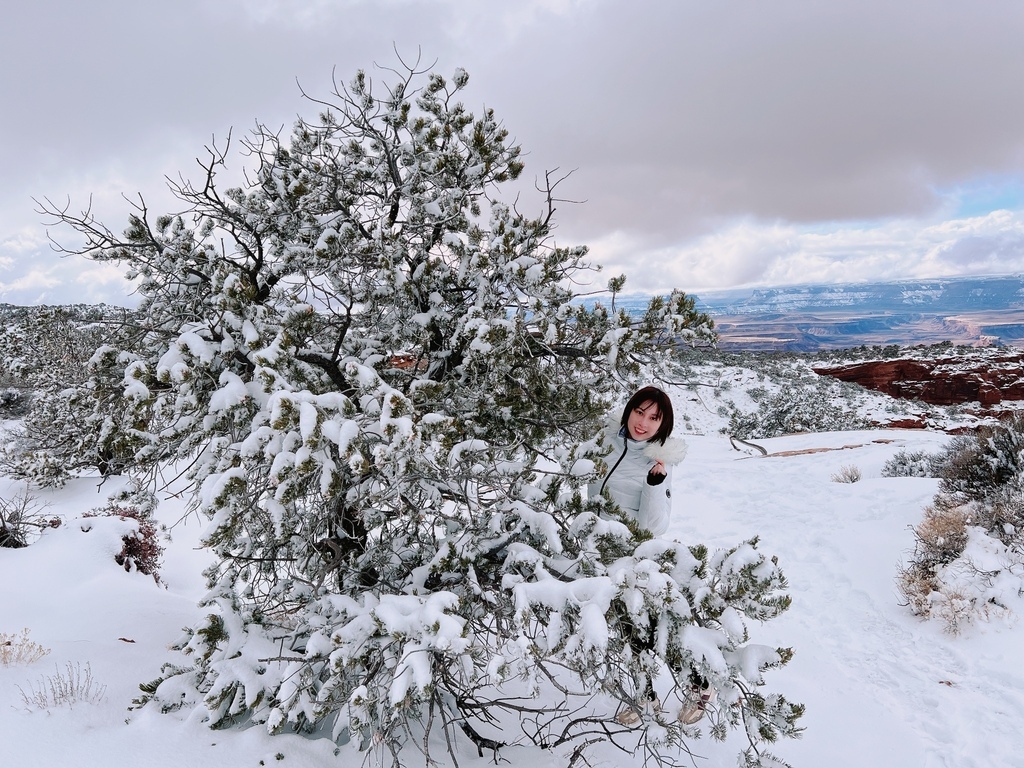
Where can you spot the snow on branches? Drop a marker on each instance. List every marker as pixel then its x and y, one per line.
pixel 375 374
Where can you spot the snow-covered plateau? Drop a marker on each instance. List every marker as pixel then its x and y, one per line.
pixel 882 688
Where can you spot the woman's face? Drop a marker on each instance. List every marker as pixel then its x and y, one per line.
pixel 643 421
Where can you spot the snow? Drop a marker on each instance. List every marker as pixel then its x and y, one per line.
pixel 882 687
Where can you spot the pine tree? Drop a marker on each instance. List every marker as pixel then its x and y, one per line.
pixel 72 361
pixel 379 379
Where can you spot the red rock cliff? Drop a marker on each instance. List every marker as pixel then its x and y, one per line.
pixel 945 381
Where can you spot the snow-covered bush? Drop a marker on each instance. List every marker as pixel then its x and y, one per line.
pixel 912 464
pixel 1001 514
pixel 388 402
pixel 969 548
pixel 14 402
pixel 141 549
pixel 939 539
pixel 974 466
pixel 960 573
pixel 796 409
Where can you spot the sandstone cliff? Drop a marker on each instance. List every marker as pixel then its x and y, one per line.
pixel 988 380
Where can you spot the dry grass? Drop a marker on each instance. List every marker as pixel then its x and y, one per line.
pixel 18 649
pixel 915 587
pixel 848 473
pixel 941 535
pixel 72 686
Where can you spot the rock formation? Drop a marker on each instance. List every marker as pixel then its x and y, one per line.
pixel 988 379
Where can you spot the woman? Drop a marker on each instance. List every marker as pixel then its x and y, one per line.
pixel 639 480
pixel 639 477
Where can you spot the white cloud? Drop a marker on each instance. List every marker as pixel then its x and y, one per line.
pixel 24 241
pixel 718 143
pixel 748 253
pixel 31 287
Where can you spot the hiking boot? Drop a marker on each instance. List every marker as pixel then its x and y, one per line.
pixel 696 705
pixel 630 717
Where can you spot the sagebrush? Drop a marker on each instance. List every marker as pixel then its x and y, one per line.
pixel 848 473
pixel 912 464
pixel 981 494
pixel 66 687
pixel 17 648
pixel 797 408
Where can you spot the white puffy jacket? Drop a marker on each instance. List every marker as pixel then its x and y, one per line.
pixel 629 463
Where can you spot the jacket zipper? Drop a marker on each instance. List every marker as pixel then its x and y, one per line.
pixel 625 447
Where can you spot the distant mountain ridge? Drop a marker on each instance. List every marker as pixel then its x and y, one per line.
pixel 944 295
pixel 975 311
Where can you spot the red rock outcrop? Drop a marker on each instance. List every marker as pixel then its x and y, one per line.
pixel 987 380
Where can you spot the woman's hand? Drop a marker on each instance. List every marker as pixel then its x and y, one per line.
pixel 656 474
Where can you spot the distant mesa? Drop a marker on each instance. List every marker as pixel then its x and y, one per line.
pixel 987 379
pixel 982 312
pixel 969 311
pixel 972 311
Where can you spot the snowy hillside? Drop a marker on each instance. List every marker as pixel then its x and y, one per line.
pixel 882 688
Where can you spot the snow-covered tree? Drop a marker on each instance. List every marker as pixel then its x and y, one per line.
pixel 376 375
pixel 71 360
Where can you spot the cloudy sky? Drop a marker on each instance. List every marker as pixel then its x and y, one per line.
pixel 714 144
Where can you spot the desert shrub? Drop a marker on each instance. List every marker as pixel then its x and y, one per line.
pixel 64 688
pixel 955 609
pixel 972 467
pixel 911 464
pixel 141 550
pixel 18 649
pixel 940 538
pixel 796 409
pixel 1001 514
pixel 916 586
pixel 847 474
pixel 981 494
pixel 22 519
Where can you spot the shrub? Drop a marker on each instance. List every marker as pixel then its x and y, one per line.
pixel 916 585
pixel 941 536
pixel 940 539
pixel 21 519
pixel 847 474
pixel 911 464
pixel 14 403
pixel 954 609
pixel 141 550
pixel 981 494
pixel 64 688
pixel 795 409
pixel 972 467
pixel 1002 513
pixel 18 649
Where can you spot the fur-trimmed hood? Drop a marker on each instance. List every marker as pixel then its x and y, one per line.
pixel 671 453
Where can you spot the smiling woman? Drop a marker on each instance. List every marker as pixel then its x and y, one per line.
pixel 639 478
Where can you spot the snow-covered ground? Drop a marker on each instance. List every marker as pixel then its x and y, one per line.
pixel 882 688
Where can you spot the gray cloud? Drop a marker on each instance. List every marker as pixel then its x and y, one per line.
pixel 687 121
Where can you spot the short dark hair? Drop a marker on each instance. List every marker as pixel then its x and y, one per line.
pixel 660 399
